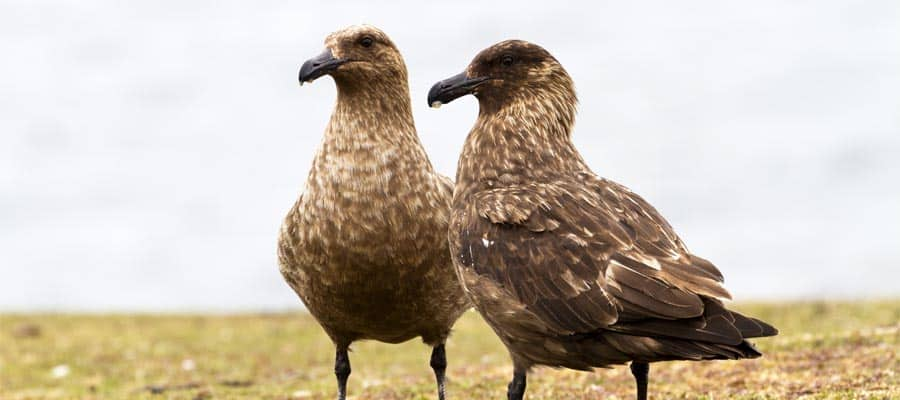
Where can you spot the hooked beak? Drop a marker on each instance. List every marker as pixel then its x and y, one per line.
pixel 318 66
pixel 452 88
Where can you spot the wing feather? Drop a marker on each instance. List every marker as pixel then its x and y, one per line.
pixel 585 253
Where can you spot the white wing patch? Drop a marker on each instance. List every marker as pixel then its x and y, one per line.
pixel 651 262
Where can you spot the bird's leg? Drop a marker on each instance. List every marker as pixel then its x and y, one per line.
pixel 439 365
pixel 342 371
pixel 516 388
pixel 640 370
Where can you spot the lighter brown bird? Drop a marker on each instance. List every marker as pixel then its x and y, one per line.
pixel 570 269
pixel 365 246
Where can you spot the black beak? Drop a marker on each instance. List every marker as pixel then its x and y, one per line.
pixel 452 88
pixel 318 66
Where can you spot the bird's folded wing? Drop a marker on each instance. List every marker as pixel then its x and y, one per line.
pixel 583 255
pixel 654 251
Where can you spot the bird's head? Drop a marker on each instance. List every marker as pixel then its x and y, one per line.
pixel 358 54
pixel 508 72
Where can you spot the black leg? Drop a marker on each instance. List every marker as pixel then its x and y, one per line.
pixel 640 370
pixel 516 388
pixel 439 365
pixel 342 371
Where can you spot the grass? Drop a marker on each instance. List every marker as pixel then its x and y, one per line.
pixel 825 351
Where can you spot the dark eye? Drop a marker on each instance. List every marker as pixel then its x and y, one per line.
pixel 507 61
pixel 365 41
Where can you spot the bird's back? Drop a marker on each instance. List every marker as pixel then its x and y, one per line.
pixel 578 271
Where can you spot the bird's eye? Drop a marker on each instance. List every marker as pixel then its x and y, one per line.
pixel 365 41
pixel 507 61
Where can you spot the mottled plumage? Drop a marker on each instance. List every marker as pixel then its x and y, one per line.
pixel 570 269
pixel 365 246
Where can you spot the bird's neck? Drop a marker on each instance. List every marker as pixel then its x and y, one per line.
pixel 373 119
pixel 373 112
pixel 370 134
pixel 521 142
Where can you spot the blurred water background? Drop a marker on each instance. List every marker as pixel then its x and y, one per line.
pixel 149 150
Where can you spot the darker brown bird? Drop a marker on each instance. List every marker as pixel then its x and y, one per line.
pixel 570 269
pixel 365 246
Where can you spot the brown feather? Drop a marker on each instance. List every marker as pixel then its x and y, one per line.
pixel 568 268
pixel 365 246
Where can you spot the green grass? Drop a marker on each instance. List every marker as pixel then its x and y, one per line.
pixel 825 351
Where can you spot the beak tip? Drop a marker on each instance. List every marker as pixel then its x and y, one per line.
pixel 452 88
pixel 317 66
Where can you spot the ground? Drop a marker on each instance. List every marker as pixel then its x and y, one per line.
pixel 825 351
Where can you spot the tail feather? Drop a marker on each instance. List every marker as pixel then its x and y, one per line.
pixel 651 349
pixel 752 327
pixel 717 334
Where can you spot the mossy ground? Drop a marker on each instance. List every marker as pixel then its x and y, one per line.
pixel 825 351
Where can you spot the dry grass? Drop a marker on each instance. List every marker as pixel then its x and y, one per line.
pixel 825 351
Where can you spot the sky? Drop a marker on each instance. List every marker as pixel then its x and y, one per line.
pixel 149 150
